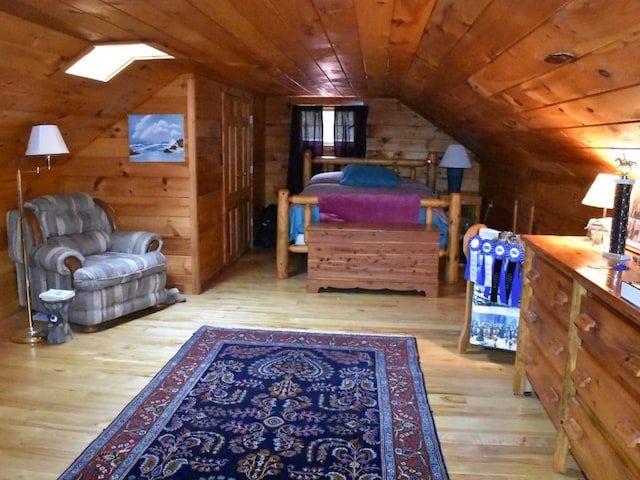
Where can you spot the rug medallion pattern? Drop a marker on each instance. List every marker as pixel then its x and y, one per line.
pixel 257 404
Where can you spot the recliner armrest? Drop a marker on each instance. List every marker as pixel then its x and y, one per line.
pixel 62 260
pixel 135 242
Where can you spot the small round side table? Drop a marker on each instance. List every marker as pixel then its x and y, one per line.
pixel 56 302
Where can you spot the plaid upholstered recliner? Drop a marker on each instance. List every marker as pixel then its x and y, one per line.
pixel 73 244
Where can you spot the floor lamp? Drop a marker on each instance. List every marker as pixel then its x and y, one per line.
pixel 44 140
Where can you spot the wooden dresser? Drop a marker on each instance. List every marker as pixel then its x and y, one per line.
pixel 579 348
pixel 353 255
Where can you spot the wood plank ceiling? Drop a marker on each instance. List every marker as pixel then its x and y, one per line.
pixel 475 68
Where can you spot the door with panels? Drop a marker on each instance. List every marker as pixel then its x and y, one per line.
pixel 238 174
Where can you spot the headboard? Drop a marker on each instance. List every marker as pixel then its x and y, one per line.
pixel 413 166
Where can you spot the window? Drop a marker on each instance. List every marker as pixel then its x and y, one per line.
pixel 328 120
pixel 103 62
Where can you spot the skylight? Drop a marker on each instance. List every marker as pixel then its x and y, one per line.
pixel 103 62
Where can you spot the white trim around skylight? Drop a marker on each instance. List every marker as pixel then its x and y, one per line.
pixel 103 62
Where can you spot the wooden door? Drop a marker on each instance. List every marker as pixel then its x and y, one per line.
pixel 238 174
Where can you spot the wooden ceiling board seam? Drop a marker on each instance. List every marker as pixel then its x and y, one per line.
pixel 112 14
pixel 244 31
pixel 374 29
pixel 525 60
pixel 603 70
pixel 272 25
pixel 410 18
pixel 63 16
pixel 143 30
pixel 35 36
pixel 337 18
pixel 547 115
pixel 499 27
pixel 449 22
pixel 625 136
pixel 305 21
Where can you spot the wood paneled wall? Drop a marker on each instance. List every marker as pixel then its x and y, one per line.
pixel 206 229
pixel 145 196
pixel 183 201
pixel 393 131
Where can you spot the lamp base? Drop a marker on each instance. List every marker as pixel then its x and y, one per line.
pixel 621 257
pixel 29 336
pixel 454 179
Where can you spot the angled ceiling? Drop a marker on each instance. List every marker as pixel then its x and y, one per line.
pixel 475 68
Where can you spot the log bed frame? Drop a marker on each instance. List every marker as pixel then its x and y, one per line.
pixel 452 202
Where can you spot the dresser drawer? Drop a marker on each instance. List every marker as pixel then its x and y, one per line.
pixel 611 339
pixel 617 410
pixel 552 288
pixel 548 334
pixel 590 448
pixel 545 382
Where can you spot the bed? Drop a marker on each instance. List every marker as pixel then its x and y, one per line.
pixel 298 212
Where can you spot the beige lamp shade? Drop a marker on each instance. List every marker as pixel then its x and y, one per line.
pixel 46 140
pixel 602 192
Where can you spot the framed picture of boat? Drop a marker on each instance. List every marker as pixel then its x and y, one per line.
pixel 156 138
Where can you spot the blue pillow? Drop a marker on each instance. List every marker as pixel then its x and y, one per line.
pixel 355 175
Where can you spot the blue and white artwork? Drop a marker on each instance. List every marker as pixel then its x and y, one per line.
pixel 156 138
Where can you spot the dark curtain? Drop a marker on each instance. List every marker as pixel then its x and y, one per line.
pixel 306 132
pixel 350 131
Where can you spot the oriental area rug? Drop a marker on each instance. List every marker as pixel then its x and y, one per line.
pixel 237 404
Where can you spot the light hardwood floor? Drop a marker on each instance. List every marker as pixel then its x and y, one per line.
pixel 55 399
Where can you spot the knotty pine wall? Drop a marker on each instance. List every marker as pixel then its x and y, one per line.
pixel 155 197
pixel 182 201
pixel 393 131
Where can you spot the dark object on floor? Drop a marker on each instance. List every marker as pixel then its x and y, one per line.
pixel 265 235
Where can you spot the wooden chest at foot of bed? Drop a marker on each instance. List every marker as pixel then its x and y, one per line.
pixel 370 256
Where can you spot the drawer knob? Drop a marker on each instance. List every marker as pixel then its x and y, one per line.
pixel 552 395
pixel 526 358
pixel 560 298
pixel 631 364
pixel 581 378
pixel 573 428
pixel 585 323
pixel 531 317
pixel 556 347
pixel 629 433
pixel 533 275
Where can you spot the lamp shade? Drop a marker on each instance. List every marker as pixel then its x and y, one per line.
pixel 455 156
pixel 46 140
pixel 602 191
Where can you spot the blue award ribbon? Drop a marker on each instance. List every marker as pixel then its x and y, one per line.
pixel 473 262
pixel 499 251
pixel 487 253
pixel 513 287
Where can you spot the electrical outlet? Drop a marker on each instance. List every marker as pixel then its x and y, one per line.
pixel 490 204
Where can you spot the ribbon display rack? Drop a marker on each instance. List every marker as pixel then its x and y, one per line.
pixel 494 285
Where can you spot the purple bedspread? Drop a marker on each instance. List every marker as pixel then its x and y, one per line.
pixel 370 208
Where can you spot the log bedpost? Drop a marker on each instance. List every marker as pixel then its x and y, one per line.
pixel 453 240
pixel 282 234
pixel 307 165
